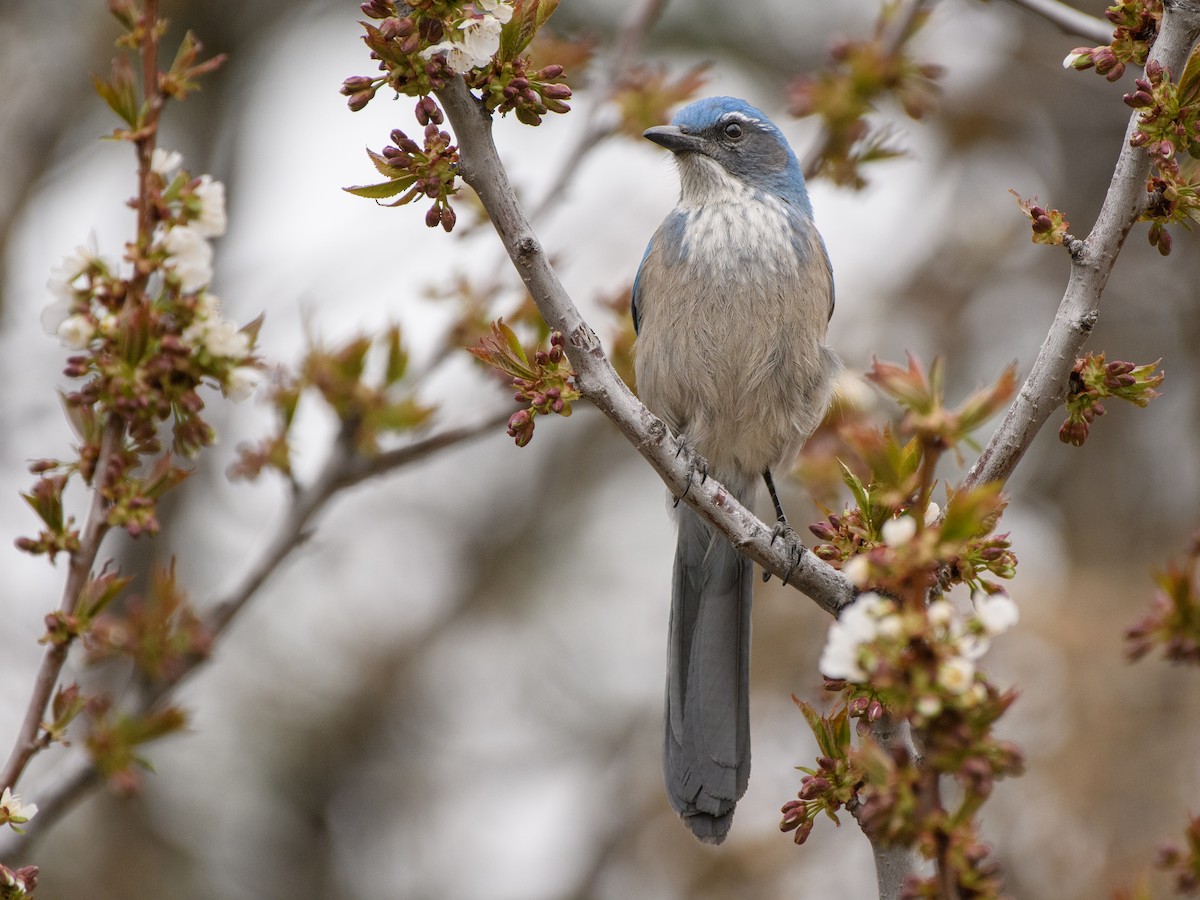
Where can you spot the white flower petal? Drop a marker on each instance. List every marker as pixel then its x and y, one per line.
pixel 76 332
pixel 241 383
pixel 211 221
pixel 996 612
pixel 857 569
pixel 189 257
pixel 164 162
pixel 956 675
pixel 940 613
pixel 898 532
pixel 55 314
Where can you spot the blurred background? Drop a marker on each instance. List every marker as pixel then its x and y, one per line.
pixel 454 690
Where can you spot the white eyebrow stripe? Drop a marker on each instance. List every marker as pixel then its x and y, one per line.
pixel 741 117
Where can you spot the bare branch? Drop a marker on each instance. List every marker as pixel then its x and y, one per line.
pixel 1070 20
pixel 599 382
pixel 343 469
pixel 1092 262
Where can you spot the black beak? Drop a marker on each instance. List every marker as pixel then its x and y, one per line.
pixel 674 139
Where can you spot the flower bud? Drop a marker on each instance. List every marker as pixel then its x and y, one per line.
pixel 390 29
pixel 359 100
pixel 556 91
pixel 378 9
pixel 354 84
pixel 550 72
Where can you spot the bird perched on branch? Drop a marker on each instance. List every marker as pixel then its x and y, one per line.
pixel 731 304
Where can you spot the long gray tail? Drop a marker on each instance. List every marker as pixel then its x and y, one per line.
pixel 706 751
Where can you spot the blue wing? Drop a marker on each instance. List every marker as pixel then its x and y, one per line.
pixel 634 303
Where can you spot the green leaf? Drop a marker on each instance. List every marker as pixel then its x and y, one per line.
pixel 120 91
pixel 527 20
pixel 1188 81
pixel 382 190
pixel 514 343
pixel 381 164
pixel 405 415
pixel 862 498
pixel 397 360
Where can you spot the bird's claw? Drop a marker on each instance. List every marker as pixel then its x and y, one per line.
pixel 795 548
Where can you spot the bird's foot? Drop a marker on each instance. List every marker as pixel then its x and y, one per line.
pixel 795 548
pixel 696 465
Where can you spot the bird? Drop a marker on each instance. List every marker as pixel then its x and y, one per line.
pixel 731 305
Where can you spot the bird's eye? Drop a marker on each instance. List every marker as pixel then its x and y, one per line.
pixel 733 131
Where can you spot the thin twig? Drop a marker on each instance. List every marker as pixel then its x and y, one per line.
pixel 1070 20
pixel 27 743
pixel 1092 262
pixel 596 128
pixel 483 171
pixel 343 469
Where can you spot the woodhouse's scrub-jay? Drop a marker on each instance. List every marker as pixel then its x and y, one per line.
pixel 731 305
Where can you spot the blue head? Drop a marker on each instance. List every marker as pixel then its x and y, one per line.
pixel 724 144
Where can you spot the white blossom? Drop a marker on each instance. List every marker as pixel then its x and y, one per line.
pixel 164 162
pixel 55 314
pixel 16 811
pixel 502 10
pixel 241 383
pixel 189 257
pixel 1071 58
pixel 66 273
pixel 211 221
pixel 972 646
pixel 76 332
pixel 478 43
pixel 956 675
pixel 222 338
pixel 932 511
pixel 890 626
pixel 940 613
pixel 898 532
pixel 481 37
pixel 929 706
pixel 208 306
pixel 857 625
pixel 996 612
pixel 857 569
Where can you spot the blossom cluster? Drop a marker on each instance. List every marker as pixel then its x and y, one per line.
pixel 88 311
pixel 546 385
pixel 1136 25
pixel 875 633
pixel 1093 380
pixel 419 49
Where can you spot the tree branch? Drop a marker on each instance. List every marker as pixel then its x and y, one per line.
pixel 1093 258
pixel 1070 20
pixel 482 170
pixel 343 469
